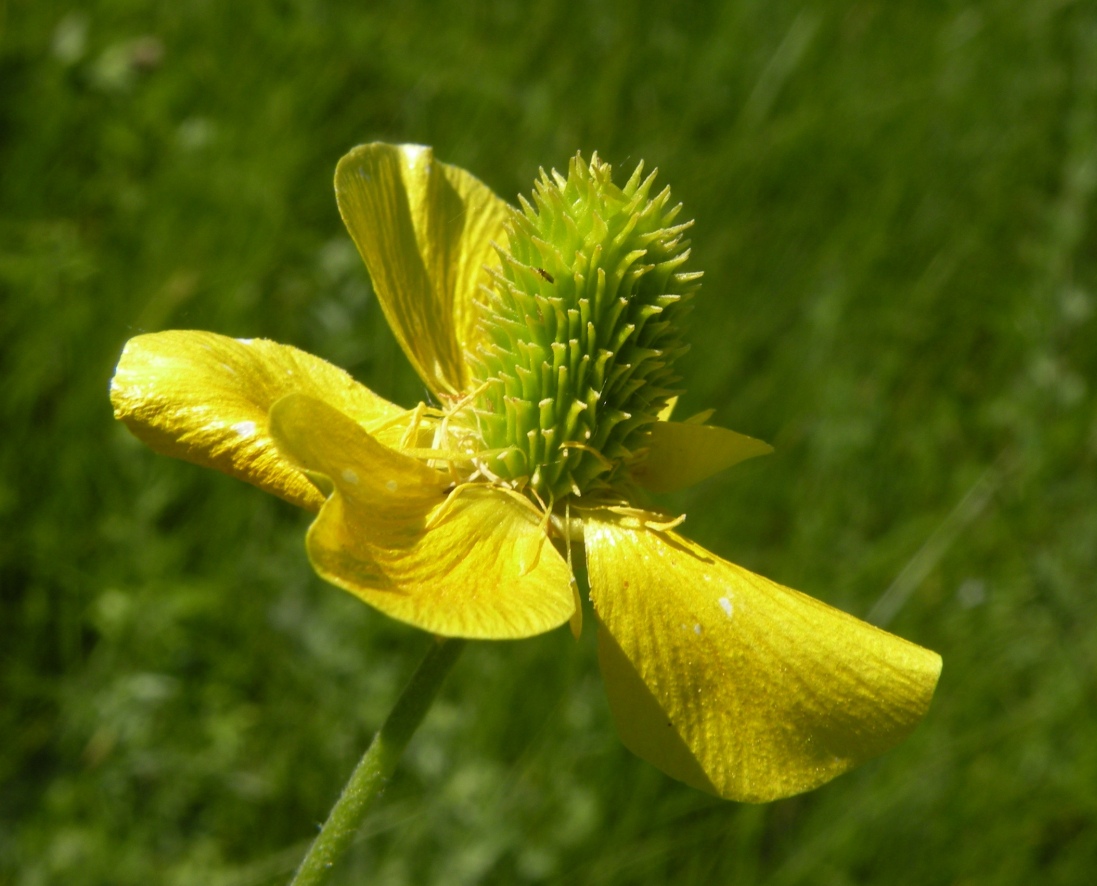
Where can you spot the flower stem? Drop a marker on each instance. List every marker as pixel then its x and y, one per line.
pixel 374 770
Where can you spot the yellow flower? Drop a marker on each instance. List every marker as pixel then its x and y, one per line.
pixel 719 677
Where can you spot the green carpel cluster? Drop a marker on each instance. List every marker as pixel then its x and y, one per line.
pixel 580 330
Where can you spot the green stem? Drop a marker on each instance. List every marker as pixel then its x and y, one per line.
pixel 374 770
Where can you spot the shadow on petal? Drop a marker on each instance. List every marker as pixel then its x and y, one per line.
pixel 772 692
pixel 471 562
pixel 642 725
pixel 424 229
pixel 205 398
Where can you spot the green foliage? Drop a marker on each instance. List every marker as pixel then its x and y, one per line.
pixel 895 217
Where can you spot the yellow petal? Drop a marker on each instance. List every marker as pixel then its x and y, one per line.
pixel 668 408
pixel 204 398
pixel 683 453
pixel 735 684
pixel 424 229
pixel 473 563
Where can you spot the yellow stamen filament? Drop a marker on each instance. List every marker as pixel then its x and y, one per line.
pixel 577 618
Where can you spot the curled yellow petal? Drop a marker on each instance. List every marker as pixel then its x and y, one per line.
pixel 204 398
pixel 424 229
pixel 681 454
pixel 471 562
pixel 735 684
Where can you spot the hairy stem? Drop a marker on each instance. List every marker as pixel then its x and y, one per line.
pixel 374 770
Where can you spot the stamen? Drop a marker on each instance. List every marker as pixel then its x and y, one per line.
pixel 644 518
pixel 440 513
pixel 444 455
pixel 412 433
pixel 546 517
pixel 583 447
pixel 576 622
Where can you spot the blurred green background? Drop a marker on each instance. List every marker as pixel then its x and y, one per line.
pixel 894 208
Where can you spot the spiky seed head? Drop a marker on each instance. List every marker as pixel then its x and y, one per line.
pixel 580 329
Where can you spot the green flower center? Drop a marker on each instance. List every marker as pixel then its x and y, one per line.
pixel 580 330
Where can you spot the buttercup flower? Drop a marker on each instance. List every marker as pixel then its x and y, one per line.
pixel 546 335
